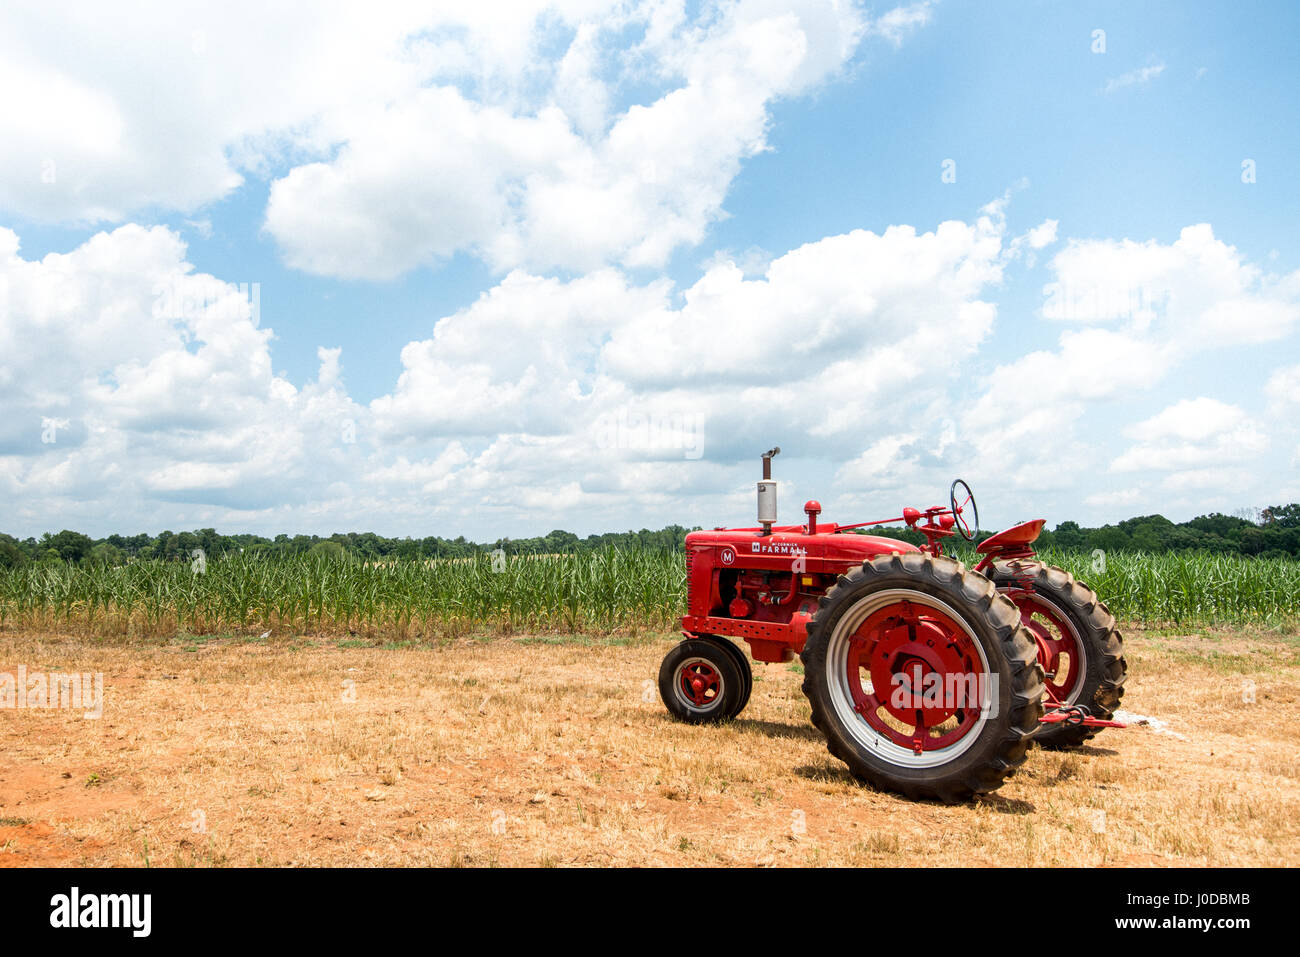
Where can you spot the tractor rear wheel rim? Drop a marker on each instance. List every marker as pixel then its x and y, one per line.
pixel 1055 635
pixel 901 632
pixel 698 684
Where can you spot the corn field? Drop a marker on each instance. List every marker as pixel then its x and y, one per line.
pixel 594 592
pixel 1183 587
pixel 601 591
pixel 1188 587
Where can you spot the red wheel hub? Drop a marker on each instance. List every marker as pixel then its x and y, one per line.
pixel 700 682
pixel 924 669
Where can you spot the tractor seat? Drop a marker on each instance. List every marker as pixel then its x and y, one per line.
pixel 1017 538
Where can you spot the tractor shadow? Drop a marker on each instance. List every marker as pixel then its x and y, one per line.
pixel 838 774
pixel 1091 752
pixel 1004 805
pixel 773 729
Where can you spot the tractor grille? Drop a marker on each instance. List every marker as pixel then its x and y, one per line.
pixel 690 565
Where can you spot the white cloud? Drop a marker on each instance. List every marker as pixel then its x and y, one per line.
pixel 1217 479
pixel 164 378
pixel 614 374
pixel 106 111
pixel 544 397
pixel 1192 420
pixel 1116 498
pixel 1137 77
pixel 597 390
pixel 1197 292
pixel 561 184
pixel 1028 243
pixel 1283 392
pixel 882 461
pixel 552 402
pixel 1043 234
pixel 1029 416
pixel 521 132
pixel 897 24
pixel 1145 309
pixel 1190 436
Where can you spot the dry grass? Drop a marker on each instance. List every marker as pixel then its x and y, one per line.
pixel 558 752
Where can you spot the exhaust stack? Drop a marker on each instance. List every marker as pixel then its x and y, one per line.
pixel 767 493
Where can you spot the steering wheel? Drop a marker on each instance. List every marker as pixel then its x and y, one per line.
pixel 967 527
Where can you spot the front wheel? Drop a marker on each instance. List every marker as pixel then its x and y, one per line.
pixel 922 678
pixel 700 682
pixel 742 667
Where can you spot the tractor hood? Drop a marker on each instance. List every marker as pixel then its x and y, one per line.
pixel 825 551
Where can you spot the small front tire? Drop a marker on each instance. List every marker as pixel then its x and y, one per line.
pixel 700 682
pixel 742 663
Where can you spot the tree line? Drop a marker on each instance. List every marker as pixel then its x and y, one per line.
pixel 1276 534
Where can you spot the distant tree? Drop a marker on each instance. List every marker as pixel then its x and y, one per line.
pixel 1068 535
pixel 107 554
pixel 328 549
pixel 1252 542
pixel 69 546
pixel 1227 527
pixel 1283 516
pixel 11 556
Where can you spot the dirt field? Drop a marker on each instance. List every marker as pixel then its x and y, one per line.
pixel 558 752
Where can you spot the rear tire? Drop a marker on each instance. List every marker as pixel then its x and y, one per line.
pixel 700 682
pixel 915 611
pixel 1069 622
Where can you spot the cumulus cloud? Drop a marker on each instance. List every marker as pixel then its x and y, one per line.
pixel 1198 291
pixel 1132 312
pixel 140 392
pixel 562 184
pixel 545 357
pixel 162 377
pixel 537 133
pixel 1283 391
pixel 543 134
pixel 608 395
pixel 544 397
pixel 1190 436
pixel 107 111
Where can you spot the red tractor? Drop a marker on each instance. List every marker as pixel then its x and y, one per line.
pixel 926 677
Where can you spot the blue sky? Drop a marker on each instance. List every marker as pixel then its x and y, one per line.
pixel 580 271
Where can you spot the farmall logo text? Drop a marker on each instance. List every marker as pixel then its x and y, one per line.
pixel 777 548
